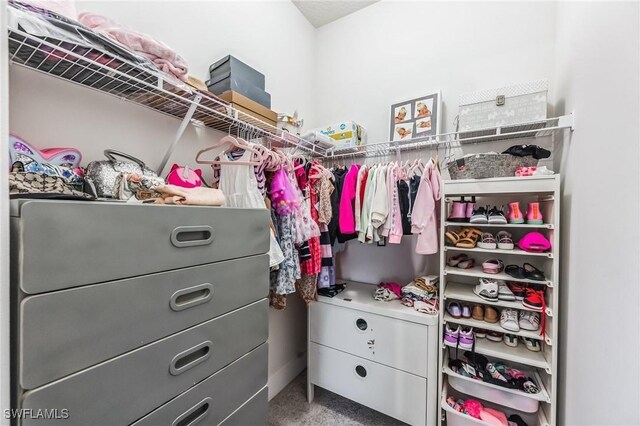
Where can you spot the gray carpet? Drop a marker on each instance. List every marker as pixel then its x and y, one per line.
pixel 290 407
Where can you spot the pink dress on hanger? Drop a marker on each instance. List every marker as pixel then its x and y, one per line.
pixel 239 185
pixel 423 215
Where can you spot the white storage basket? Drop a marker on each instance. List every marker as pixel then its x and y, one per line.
pixel 503 106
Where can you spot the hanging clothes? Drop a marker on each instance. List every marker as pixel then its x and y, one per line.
pixel 338 181
pixel 326 278
pixel 423 216
pixel 258 170
pixel 393 225
pixel 347 201
pixel 362 176
pixel 238 183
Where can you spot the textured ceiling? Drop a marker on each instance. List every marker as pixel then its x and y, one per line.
pixel 320 13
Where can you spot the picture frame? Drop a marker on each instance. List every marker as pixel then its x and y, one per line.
pixel 416 118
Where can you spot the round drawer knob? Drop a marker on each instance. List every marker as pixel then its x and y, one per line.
pixel 361 371
pixel 361 324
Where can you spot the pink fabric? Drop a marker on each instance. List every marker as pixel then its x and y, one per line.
pixel 493 417
pixel 159 53
pixel 346 220
pixel 473 408
pixel 393 226
pixel 423 215
pixel 393 287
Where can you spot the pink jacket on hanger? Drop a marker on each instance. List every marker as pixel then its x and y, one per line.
pixel 346 220
pixel 423 215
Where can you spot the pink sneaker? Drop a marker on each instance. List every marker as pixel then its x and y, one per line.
pixel 534 216
pixel 515 214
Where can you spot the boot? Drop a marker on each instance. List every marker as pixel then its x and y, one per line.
pixel 457 213
pixel 471 206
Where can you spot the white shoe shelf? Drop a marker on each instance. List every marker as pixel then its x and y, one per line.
pixel 457 285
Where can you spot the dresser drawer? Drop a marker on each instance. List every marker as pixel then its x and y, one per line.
pixel 69 330
pixel 124 389
pixel 64 244
pixel 393 392
pixel 389 341
pixel 254 412
pixel 214 399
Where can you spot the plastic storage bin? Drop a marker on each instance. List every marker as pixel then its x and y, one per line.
pixel 235 67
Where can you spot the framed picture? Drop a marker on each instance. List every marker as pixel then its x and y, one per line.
pixel 415 118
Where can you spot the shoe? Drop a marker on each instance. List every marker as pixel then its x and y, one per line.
pixel 504 293
pixel 517 420
pixel 496 216
pixel 466 339
pixel 479 216
pixel 532 344
pixel 509 320
pixel 504 240
pixel 534 216
pixel 487 289
pixel 492 266
pixel 454 260
pixel 477 312
pixel 518 289
pixel 457 213
pixel 529 320
pixel 491 369
pixel 515 271
pixel 534 242
pixel 511 340
pixel 515 214
pixel 454 309
pixel 480 333
pixel 467 264
pixel 530 387
pixel 490 315
pixel 466 311
pixel 487 241
pixel 470 207
pixel 534 299
pixel 533 273
pixel 451 335
pixel 495 336
pixel 468 238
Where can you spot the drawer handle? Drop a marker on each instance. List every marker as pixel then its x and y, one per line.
pixel 190 236
pixel 361 371
pixel 362 324
pixel 190 297
pixel 194 414
pixel 190 358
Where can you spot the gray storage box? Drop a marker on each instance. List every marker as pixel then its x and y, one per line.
pixel 229 81
pixel 230 65
pixel 521 103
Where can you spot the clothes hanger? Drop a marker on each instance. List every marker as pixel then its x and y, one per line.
pixel 231 142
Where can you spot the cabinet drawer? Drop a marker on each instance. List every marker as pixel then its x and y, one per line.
pixel 124 389
pixel 66 331
pixel 64 244
pixel 389 341
pixel 253 413
pixel 393 392
pixel 214 399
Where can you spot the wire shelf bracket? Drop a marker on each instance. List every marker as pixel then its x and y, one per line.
pixel 183 126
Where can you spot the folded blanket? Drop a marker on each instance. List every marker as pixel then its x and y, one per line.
pixel 159 53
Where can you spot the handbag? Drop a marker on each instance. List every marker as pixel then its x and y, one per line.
pixel 41 185
pixel 103 173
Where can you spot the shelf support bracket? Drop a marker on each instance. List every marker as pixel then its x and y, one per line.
pixel 180 132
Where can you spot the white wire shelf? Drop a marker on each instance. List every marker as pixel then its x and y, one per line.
pixel 108 73
pixel 535 129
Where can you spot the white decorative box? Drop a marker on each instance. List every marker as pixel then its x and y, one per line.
pixel 520 103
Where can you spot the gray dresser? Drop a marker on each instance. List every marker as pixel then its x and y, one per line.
pixel 139 314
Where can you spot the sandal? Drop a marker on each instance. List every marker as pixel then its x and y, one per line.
pixel 515 271
pixel 492 266
pixel 469 238
pixel 487 289
pixel 455 260
pixel 467 264
pixel 504 241
pixel 487 241
pixel 532 273
pixel 452 237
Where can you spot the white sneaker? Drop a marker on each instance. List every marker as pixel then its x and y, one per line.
pixel 509 319
pixel 504 293
pixel 529 320
pixel 487 289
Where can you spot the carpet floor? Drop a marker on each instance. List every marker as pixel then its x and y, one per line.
pixel 290 407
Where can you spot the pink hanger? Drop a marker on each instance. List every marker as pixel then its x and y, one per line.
pixel 233 143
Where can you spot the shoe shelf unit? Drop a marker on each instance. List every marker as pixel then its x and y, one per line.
pixel 457 285
pixel 139 83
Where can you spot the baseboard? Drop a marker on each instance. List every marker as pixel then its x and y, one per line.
pixel 281 378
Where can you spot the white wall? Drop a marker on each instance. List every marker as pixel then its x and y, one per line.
pixel 598 64
pixel 398 50
pixel 202 32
